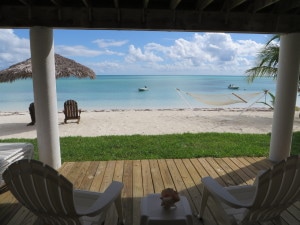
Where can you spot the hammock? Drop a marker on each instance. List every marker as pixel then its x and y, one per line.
pixel 224 99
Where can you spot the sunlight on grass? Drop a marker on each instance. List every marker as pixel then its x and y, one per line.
pixel 163 146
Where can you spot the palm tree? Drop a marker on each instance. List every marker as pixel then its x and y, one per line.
pixel 268 59
pixel 267 65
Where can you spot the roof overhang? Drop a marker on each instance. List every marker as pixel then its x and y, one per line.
pixel 245 16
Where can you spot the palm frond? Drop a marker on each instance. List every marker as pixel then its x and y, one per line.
pixel 261 71
pixel 269 56
pixel 267 61
pixel 274 37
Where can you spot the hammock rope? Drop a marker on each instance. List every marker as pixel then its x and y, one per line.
pixel 222 99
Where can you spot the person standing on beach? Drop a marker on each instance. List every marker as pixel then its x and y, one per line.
pixel 32 114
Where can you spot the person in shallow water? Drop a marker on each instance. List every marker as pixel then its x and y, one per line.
pixel 32 114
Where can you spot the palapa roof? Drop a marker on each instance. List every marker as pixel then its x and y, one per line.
pixel 64 67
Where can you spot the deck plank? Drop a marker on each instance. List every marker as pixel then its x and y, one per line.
pixel 137 190
pixel 82 173
pixel 233 173
pixel 190 185
pixel 127 192
pixel 76 174
pixel 66 168
pixel 222 174
pixel 166 175
pixel 108 175
pixel 158 183
pixel 119 170
pixel 147 183
pixel 210 170
pixel 98 177
pixel 251 168
pixel 242 171
pixel 142 177
pixel 89 176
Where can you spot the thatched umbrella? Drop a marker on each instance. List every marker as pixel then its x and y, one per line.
pixel 64 67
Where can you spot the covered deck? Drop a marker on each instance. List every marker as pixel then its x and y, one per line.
pixel 141 177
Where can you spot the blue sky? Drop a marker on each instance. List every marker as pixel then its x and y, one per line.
pixel 112 52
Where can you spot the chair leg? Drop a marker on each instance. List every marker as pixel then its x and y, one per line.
pixel 118 204
pixel 203 202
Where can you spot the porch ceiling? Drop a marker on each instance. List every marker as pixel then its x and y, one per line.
pixel 248 16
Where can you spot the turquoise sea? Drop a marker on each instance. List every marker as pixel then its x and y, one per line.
pixel 108 92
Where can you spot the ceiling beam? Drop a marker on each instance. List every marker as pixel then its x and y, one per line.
pixel 204 16
pixel 116 3
pixel 26 2
pixel 201 4
pixel 87 3
pixel 146 2
pixel 56 2
pixel 288 5
pixel 260 4
pixel 230 4
pixel 174 4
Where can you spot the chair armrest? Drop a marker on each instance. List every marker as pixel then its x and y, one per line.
pixel 105 200
pixel 221 193
pixel 261 172
pixel 3 188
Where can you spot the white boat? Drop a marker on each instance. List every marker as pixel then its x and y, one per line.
pixel 232 86
pixel 144 88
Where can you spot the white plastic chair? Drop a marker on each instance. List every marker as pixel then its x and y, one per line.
pixel 273 191
pixel 51 197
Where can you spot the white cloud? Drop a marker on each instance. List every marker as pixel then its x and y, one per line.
pixel 105 66
pixel 109 52
pixel 13 49
pixel 104 43
pixel 208 52
pixel 199 53
pixel 136 54
pixel 78 50
pixel 248 48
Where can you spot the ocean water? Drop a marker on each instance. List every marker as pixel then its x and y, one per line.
pixel 109 92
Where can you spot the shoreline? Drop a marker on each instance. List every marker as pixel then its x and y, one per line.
pixel 148 122
pixel 238 109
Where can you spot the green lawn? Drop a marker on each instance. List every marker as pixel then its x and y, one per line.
pixel 163 146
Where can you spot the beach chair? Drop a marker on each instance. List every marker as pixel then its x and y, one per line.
pixel 273 191
pixel 71 111
pixel 51 197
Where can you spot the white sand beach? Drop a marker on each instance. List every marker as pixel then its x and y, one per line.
pixel 147 122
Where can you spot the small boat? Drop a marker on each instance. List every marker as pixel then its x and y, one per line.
pixel 232 86
pixel 144 88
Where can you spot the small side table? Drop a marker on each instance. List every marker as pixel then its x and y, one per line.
pixel 152 213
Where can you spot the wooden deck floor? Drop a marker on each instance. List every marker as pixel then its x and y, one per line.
pixel 141 177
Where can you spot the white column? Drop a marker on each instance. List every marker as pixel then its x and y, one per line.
pixel 286 95
pixel 45 100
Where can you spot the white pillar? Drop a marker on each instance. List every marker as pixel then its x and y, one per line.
pixel 285 98
pixel 45 100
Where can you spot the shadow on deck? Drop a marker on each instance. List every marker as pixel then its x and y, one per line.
pixel 142 177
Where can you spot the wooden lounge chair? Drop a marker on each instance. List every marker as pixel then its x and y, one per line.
pixel 51 197
pixel 71 111
pixel 273 191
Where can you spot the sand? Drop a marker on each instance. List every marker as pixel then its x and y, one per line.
pixel 147 122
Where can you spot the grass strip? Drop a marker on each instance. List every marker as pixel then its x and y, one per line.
pixel 163 146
